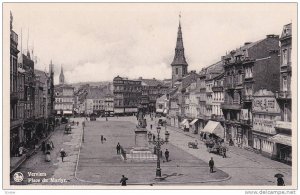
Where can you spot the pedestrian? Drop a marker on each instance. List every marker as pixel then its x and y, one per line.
pixel 123 180
pixel 62 154
pixel 153 137
pixel 211 164
pixel 48 156
pixel 161 154
pixel 151 126
pixel 224 152
pixel 48 147
pixel 77 123
pixel 102 138
pixel 155 150
pixel 21 150
pixel 167 155
pixel 280 181
pixel 44 147
pixel 106 119
pixel 118 148
pixel 51 144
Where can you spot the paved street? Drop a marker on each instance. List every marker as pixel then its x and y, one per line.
pixel 244 167
pixel 54 169
pixel 99 164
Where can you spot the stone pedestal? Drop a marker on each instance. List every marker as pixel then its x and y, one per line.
pixel 141 150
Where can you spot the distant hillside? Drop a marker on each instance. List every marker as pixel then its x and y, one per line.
pixel 100 83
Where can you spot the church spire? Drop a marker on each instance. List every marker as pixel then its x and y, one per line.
pixel 179 58
pixel 61 77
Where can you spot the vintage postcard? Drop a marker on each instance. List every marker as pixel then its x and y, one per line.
pixel 150 96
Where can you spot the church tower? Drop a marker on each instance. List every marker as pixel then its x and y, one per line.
pixel 179 64
pixel 61 77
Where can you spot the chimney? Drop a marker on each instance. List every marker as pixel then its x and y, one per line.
pixel 247 43
pixel 154 78
pixel 140 78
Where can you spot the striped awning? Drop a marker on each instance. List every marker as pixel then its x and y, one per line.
pixel 281 139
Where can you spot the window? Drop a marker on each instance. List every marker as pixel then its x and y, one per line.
pixel 284 57
pixel 285 112
pixel 176 71
pixel 284 83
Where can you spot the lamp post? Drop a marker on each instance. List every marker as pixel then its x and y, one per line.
pixel 158 142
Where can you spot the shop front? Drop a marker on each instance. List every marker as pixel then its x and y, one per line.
pixel 282 148
pixel 194 126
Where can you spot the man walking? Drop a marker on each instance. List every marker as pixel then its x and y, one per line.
pixel 123 180
pixel 62 154
pixel 211 164
pixel 167 155
pixel 118 148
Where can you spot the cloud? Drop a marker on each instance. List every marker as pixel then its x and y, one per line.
pixel 96 42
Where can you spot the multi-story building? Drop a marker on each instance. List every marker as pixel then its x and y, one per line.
pixel 16 94
pixel 127 95
pixel 94 101
pixel 265 113
pixel 64 99
pixel 151 90
pixel 109 104
pixel 282 139
pixel 245 73
pixel 218 98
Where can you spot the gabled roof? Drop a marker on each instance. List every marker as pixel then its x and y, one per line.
pixel 287 31
pixel 94 93
pixel 151 82
pixel 263 93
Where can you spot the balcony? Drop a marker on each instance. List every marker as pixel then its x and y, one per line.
pixel 217 117
pixel 217 88
pixel 230 85
pixel 231 106
pixel 283 95
pixel 245 122
pixel 15 123
pixel 247 98
pixel 283 125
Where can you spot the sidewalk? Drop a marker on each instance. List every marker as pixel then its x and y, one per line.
pixel 15 162
pixel 245 167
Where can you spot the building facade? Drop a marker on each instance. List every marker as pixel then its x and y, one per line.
pixel 127 95
pixel 245 73
pixel 16 94
pixel 283 140
pixel 265 113
pixel 64 100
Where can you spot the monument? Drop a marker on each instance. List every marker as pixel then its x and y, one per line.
pixel 141 150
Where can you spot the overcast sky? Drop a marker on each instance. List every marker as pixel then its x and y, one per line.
pixel 96 42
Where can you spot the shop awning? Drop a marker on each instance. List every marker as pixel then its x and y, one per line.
pixel 215 128
pixel 194 121
pixel 159 110
pixel 281 139
pixel 67 112
pixel 184 121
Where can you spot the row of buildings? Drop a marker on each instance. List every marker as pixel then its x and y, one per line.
pixel 31 97
pixel 248 92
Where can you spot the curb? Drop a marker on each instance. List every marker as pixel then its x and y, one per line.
pixel 29 154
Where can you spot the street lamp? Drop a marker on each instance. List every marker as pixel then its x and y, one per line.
pixel 158 142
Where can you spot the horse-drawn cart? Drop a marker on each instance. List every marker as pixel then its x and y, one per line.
pixel 215 147
pixel 68 129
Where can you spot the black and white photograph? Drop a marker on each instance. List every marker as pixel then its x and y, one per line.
pixel 150 95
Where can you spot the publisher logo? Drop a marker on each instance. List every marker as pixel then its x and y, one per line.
pixel 18 177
